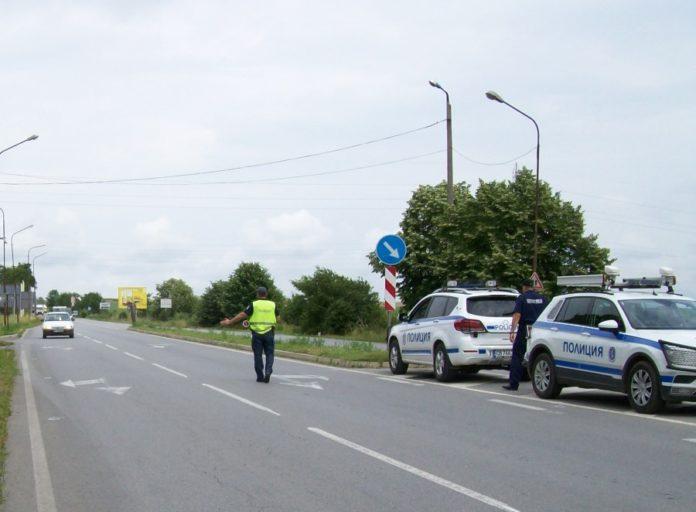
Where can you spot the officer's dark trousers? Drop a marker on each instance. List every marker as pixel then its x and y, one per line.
pixel 519 347
pixel 260 344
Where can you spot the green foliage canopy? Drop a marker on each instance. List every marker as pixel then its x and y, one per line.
pixel 332 303
pixel 240 289
pixel 490 235
pixel 210 305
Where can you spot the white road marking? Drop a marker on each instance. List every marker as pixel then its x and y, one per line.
pixel 110 346
pixel 55 418
pixel 301 381
pixel 243 400
pixel 45 501
pixel 400 381
pixel 170 370
pixel 59 348
pixel 134 356
pixel 159 346
pixel 72 384
pixel 692 440
pixel 515 404
pixel 649 417
pixel 415 471
pixel 115 390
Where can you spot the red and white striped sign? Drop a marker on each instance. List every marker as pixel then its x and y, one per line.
pixel 390 288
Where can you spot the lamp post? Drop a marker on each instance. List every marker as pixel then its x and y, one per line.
pixel 16 309
pixel 33 263
pixel 32 273
pixel 450 173
pixel 494 96
pixel 4 272
pixel 4 238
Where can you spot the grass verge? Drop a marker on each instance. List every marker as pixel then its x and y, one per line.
pixel 357 354
pixel 15 327
pixel 8 370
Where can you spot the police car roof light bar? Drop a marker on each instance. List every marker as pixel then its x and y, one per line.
pixel 586 281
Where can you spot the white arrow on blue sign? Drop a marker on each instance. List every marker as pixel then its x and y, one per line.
pixel 391 249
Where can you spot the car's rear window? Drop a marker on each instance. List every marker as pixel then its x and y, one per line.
pixel 493 306
pixel 56 317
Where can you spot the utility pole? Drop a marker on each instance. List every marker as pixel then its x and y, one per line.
pixel 450 171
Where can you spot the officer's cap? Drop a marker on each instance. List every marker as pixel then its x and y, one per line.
pixel 261 290
pixel 528 282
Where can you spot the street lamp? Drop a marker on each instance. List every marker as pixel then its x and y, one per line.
pixel 30 138
pixel 16 309
pixel 34 274
pixel 450 174
pixel 494 96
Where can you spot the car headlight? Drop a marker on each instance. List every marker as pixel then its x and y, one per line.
pixel 679 356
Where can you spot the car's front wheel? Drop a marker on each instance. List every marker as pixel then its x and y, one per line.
pixel 441 364
pixel 544 380
pixel 644 388
pixel 396 364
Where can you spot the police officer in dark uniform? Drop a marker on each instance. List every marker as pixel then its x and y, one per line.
pixel 528 307
pixel 262 315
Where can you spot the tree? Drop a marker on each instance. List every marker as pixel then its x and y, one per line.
pixel 241 286
pixel 90 303
pixel 490 235
pixel 210 305
pixel 16 275
pixel 183 299
pixel 56 298
pixel 331 303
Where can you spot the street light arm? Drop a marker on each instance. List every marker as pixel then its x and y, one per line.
pixel 525 115
pixel 33 137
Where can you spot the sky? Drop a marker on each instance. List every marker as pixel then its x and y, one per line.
pixel 137 90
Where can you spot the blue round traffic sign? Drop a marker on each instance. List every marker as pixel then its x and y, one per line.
pixel 391 249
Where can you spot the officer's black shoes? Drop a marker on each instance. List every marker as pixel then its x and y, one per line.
pixel 260 379
pixel 267 378
pixel 509 387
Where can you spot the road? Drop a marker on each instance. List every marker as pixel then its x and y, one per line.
pixel 120 421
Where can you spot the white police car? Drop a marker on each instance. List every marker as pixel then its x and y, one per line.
pixel 463 327
pixel 626 337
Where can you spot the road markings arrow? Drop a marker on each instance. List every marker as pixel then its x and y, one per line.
pixel 393 252
pixel 72 384
pixel 296 380
pixel 115 390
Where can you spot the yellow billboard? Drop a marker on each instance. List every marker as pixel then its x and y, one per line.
pixel 135 294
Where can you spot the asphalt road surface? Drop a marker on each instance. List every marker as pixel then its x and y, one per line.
pixel 121 421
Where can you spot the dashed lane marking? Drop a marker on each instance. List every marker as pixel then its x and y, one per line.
pixel 401 381
pixel 110 346
pixel 417 472
pixel 134 356
pixel 170 370
pixel 515 404
pixel 241 399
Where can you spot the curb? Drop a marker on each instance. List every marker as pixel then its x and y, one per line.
pixel 329 361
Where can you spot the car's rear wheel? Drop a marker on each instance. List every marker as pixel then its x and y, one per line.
pixel 544 380
pixel 72 335
pixel 396 364
pixel 643 388
pixel 441 364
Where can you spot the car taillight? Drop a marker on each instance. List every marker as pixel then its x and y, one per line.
pixel 469 325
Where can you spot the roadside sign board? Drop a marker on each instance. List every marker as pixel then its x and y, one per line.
pixel 135 294
pixel 538 285
pixel 165 303
pixel 105 305
pixel 391 249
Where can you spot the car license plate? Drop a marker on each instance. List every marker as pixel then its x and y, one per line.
pixel 500 354
pixel 58 329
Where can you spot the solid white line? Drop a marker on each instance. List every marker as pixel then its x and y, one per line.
pixel 400 381
pixel 415 471
pixel 170 370
pixel 45 501
pixel 515 404
pixel 243 400
pixel 110 346
pixel 650 417
pixel 692 440
pixel 134 356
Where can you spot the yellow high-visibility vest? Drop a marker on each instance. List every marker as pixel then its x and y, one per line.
pixel 263 317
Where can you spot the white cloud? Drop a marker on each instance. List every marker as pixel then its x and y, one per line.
pixel 295 233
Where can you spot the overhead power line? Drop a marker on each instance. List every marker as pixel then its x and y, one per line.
pixel 229 169
pixel 493 163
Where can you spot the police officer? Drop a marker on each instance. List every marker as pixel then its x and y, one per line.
pixel 262 320
pixel 528 307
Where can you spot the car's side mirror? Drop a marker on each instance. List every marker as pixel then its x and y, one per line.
pixel 609 326
pixel 403 317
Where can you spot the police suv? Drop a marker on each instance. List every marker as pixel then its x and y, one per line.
pixel 462 327
pixel 628 337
